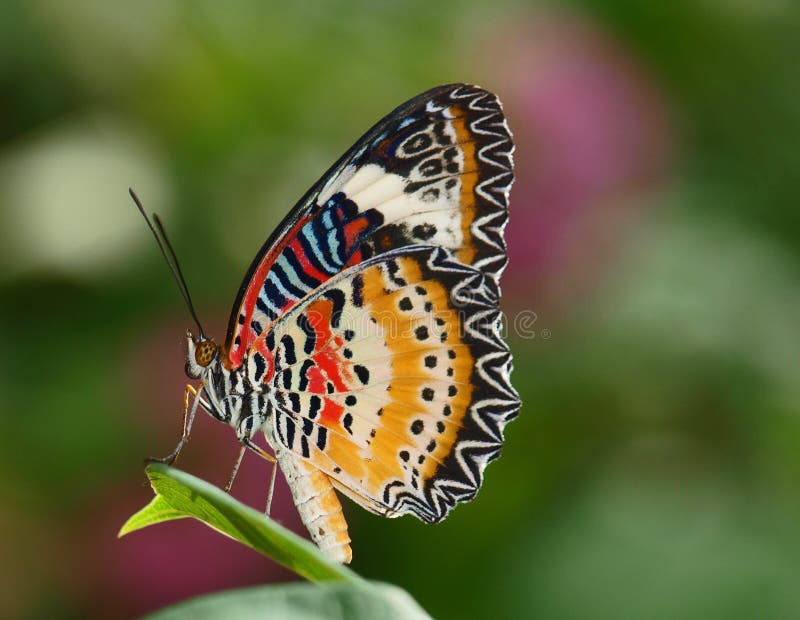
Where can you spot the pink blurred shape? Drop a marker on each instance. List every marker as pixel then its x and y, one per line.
pixel 592 139
pixel 170 562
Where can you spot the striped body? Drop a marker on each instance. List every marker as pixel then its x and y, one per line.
pixel 318 505
pixel 248 407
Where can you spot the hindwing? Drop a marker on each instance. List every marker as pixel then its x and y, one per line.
pixel 392 378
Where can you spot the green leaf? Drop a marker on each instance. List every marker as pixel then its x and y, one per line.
pixel 300 601
pixel 156 511
pixel 180 495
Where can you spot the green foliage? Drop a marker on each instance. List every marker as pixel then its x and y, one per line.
pixel 180 495
pixel 301 601
pixel 343 595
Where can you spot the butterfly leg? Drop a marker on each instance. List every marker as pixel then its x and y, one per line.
pixel 247 444
pixel 268 507
pixel 188 420
pixel 271 459
pixel 235 471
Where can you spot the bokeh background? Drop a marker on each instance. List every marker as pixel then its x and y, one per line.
pixel 652 293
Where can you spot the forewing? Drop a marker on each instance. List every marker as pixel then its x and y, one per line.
pixel 392 379
pixel 437 171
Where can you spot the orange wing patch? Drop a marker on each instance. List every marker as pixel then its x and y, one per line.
pixel 428 396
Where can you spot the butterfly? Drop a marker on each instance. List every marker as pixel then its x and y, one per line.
pixel 365 340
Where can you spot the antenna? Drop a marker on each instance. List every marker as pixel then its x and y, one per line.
pixel 169 255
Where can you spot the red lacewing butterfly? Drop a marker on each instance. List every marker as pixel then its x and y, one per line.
pixel 365 339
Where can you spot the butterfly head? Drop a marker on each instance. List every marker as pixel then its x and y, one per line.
pixel 201 354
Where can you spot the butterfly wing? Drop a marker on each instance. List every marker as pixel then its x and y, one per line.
pixel 393 380
pixel 437 171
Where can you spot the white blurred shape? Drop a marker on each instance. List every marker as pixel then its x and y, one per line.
pixel 64 196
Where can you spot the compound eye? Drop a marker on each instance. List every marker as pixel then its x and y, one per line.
pixel 205 352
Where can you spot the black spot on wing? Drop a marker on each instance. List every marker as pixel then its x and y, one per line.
pixel 288 347
pixel 261 366
pixel 304 368
pixel 337 297
pixel 322 437
pixel 314 405
pixel 311 335
pixel 358 291
pixel 347 422
pixel 290 430
pixel 423 231
pixel 362 373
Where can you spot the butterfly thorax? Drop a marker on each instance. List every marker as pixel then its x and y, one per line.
pixel 235 396
pixel 243 397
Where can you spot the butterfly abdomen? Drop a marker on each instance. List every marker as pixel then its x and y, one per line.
pixel 318 505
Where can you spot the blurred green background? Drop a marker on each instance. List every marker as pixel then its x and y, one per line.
pixel 652 294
